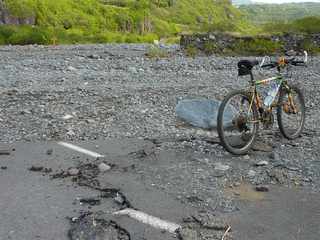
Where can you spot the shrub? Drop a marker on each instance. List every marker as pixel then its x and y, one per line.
pixel 7 31
pixel 156 52
pixel 172 40
pixel 191 51
pixel 30 35
pixel 307 25
pixel 210 48
pixel 257 47
pixel 311 47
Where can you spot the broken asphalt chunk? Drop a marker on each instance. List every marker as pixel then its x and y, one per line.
pixel 92 201
pixel 35 168
pixel 262 188
pixel 5 152
pixel 103 167
pixel 90 226
pixel 73 171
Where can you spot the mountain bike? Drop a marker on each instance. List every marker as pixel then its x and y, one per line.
pixel 241 111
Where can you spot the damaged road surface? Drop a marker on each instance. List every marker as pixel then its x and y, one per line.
pixel 78 200
pixel 40 204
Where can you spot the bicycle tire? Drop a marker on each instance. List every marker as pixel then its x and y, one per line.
pixel 280 119
pixel 220 123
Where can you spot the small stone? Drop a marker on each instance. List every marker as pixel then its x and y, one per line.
pixel 71 69
pixel 237 184
pixel 251 173
pixel 49 151
pixel 221 167
pixel 91 121
pixel 277 175
pixel 274 156
pixel 307 179
pixel 262 163
pixel 73 171
pixel 246 157
pixel 36 168
pixel 119 199
pixel 262 147
pixel 132 70
pixel 187 233
pixel 215 224
pixel 67 117
pixel 91 201
pixel 262 188
pixel 212 37
pixel 23 112
pixel 104 167
pixel 93 56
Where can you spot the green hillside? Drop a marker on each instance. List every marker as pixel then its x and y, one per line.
pixel 263 13
pixel 71 21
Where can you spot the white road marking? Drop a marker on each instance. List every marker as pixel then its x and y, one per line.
pixel 80 149
pixel 149 220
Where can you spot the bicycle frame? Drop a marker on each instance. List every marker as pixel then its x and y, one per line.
pixel 255 95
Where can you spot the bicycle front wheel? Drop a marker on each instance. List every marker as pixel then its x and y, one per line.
pixel 291 112
pixel 237 122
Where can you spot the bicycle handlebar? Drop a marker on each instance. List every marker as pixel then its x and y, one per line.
pixel 285 61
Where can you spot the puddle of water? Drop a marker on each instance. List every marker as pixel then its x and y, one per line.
pixel 244 191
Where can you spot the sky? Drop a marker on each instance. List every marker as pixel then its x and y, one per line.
pixel 283 1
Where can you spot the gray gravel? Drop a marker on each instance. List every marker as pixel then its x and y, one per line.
pixel 91 92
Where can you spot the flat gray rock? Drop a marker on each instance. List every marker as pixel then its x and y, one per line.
pixel 202 113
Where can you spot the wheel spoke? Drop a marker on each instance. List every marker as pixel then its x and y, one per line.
pixel 238 123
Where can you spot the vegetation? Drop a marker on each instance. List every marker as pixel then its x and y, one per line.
pixel 277 19
pixel 287 12
pixel 155 51
pixel 82 21
pixel 191 51
pixel 210 48
pixel 257 47
pixel 308 25
pixel 134 21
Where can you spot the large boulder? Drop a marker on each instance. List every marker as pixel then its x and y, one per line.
pixel 202 113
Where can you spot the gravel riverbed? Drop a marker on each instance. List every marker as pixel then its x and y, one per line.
pixel 94 92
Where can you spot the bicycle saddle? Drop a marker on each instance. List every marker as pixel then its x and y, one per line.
pixel 249 64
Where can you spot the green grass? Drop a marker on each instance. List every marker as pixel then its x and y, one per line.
pixel 82 21
pixel 23 35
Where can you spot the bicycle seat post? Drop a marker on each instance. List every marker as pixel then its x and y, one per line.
pixel 251 77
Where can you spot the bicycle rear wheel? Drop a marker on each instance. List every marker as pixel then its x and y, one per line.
pixel 237 122
pixel 291 112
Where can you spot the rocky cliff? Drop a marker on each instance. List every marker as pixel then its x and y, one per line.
pixel 7 18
